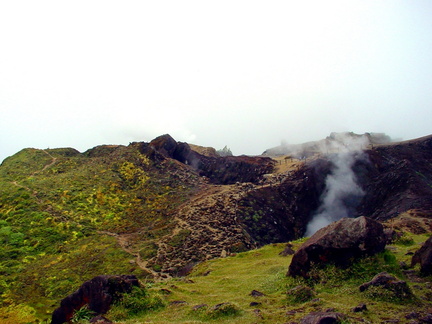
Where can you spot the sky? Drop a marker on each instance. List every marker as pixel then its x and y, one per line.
pixel 246 74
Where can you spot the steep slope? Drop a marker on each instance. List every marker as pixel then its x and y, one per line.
pixel 60 213
pixel 398 178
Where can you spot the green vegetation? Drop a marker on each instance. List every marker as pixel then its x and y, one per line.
pixel 138 302
pixel 60 214
pixel 62 217
pixel 230 281
pixel 82 315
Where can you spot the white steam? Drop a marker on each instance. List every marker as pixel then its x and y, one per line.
pixel 341 193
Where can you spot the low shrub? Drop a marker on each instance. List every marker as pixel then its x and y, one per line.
pixel 396 295
pixel 299 294
pixel 222 310
pixel 135 303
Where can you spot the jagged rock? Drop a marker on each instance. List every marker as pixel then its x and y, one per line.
pixel 98 293
pixel 256 293
pixel 288 250
pixel 178 302
pixel 322 318
pixel 339 243
pixel 389 282
pixel 400 168
pixel 424 257
pixel 197 307
pixel 360 308
pixel 220 170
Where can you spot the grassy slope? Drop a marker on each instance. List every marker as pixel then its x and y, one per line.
pixel 232 280
pixel 54 204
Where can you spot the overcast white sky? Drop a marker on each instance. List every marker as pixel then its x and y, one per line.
pixel 246 74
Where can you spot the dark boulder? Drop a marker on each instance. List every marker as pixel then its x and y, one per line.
pixel 384 280
pixel 339 243
pixel 288 250
pixel 360 308
pixel 98 294
pixel 424 257
pixel 256 293
pixel 322 318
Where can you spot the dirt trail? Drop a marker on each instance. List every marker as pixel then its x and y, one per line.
pixel 206 227
pixel 53 161
pixel 125 241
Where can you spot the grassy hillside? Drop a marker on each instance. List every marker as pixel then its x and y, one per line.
pixel 66 217
pixel 60 211
pixel 231 280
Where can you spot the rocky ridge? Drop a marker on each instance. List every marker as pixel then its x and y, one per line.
pixel 276 206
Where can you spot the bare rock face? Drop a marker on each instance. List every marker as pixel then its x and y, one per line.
pixel 98 293
pixel 219 170
pixel 424 257
pixel 339 243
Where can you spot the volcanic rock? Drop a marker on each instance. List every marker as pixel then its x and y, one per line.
pixel 288 250
pixel 256 293
pixel 402 169
pixel 339 243
pixel 389 282
pixel 98 293
pixel 322 318
pixel 424 257
pixel 360 308
pixel 220 170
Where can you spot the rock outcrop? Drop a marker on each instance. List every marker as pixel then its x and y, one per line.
pixel 220 170
pixel 424 257
pixel 322 318
pixel 400 288
pixel 339 243
pixel 98 294
pixel 396 179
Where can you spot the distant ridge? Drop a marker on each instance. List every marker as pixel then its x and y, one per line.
pixel 313 147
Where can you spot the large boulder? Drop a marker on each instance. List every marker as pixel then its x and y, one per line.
pixel 424 257
pixel 340 243
pixel 323 318
pixel 98 294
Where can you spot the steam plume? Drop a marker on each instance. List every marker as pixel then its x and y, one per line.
pixel 342 193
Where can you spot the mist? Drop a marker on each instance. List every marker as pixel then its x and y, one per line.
pixel 342 192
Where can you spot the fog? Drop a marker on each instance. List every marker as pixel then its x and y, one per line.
pixel 243 74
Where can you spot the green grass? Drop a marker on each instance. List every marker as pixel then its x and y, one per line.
pixel 231 280
pixel 54 204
